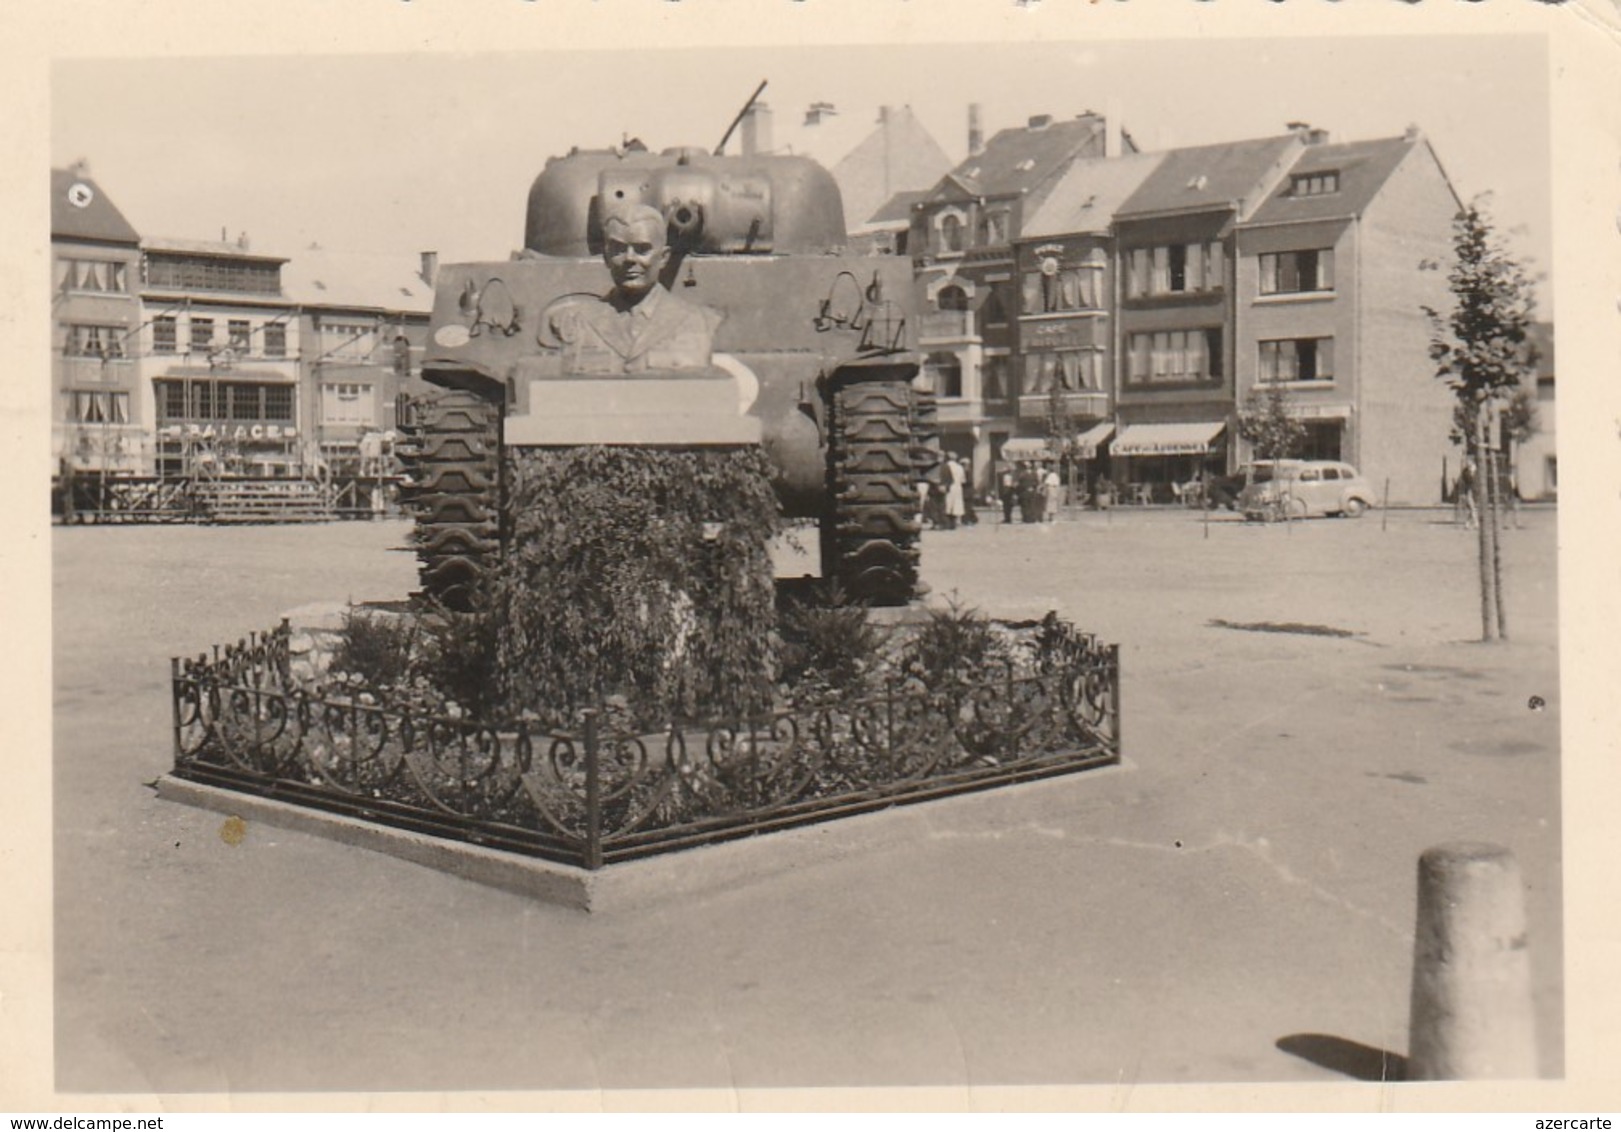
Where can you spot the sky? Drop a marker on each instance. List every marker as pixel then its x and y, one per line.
pixel 435 151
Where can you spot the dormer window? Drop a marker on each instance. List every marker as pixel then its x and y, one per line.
pixel 1315 184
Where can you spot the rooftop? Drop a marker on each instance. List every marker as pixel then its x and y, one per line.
pixel 81 211
pixel 1362 168
pixel 219 248
pixel 1018 159
pixel 1208 177
pixel 1088 195
pixel 361 281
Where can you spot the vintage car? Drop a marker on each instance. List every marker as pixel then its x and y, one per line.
pixel 1298 489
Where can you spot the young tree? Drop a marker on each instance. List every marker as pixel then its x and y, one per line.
pixel 1480 350
pixel 1269 422
pixel 1063 432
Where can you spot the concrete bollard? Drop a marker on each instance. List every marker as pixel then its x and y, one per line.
pixel 1471 1007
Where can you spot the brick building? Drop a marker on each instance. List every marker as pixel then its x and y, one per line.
pixel 98 420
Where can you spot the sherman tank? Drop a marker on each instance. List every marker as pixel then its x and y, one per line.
pixel 818 341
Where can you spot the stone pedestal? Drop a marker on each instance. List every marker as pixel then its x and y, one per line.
pixel 657 411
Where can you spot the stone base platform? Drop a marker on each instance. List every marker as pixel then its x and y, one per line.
pixel 680 876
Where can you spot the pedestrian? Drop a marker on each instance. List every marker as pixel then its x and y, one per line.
pixel 970 516
pixel 1051 487
pixel 954 484
pixel 1464 494
pixel 1007 489
pixel 923 515
pixel 1029 493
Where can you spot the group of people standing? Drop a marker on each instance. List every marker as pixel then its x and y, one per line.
pixel 947 503
pixel 1032 487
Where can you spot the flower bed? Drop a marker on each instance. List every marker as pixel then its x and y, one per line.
pixel 867 716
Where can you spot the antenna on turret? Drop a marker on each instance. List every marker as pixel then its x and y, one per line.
pixel 747 106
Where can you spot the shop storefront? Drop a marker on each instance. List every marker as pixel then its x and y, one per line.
pixel 1149 461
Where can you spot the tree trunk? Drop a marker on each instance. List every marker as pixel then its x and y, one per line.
pixel 1496 492
pixel 1488 594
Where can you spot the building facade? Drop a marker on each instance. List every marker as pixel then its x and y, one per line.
pixel 99 421
pixel 220 354
pixel 1175 239
pixel 1159 293
pixel 363 323
pixel 1069 299
pixel 1331 286
pixel 962 240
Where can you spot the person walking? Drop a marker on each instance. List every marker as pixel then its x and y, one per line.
pixel 954 485
pixel 1007 490
pixel 1051 487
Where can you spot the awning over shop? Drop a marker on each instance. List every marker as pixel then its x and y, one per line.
pixel 1191 438
pixel 1087 443
pixel 1040 448
pixel 1026 448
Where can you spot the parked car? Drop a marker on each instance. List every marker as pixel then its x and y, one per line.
pixel 1301 488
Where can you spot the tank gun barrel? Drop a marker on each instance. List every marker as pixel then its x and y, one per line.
pixel 747 106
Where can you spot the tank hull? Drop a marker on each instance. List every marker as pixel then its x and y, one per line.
pixel 790 328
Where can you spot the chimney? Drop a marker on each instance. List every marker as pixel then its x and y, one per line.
pixel 242 240
pixel 1413 133
pixel 1113 135
pixel 430 267
pixel 1317 136
pixel 976 135
pixel 1039 121
pixel 757 130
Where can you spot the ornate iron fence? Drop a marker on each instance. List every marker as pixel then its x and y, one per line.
pixel 600 795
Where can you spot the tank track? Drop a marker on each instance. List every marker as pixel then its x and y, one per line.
pixel 453 467
pixel 870 539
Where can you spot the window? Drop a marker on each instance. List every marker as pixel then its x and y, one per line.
pixel 1064 289
pixel 240 401
pixel 996 227
pixel 346 403
pixel 348 339
pixel 1174 357
pixel 1290 273
pixel 1322 442
pixel 278 402
pixel 945 370
pixel 951 227
pixel 244 403
pixel 1298 359
pixel 163 334
pixel 240 332
pixel 275 340
pixel 995 310
pixel 171 400
pixel 995 380
pixel 1071 371
pixel 1315 184
pixel 202 335
pixel 101 408
pixel 212 273
pixel 92 275
pixel 951 298
pixel 89 341
pixel 1174 269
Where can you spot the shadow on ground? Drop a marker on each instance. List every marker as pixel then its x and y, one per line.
pixel 1355 1060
